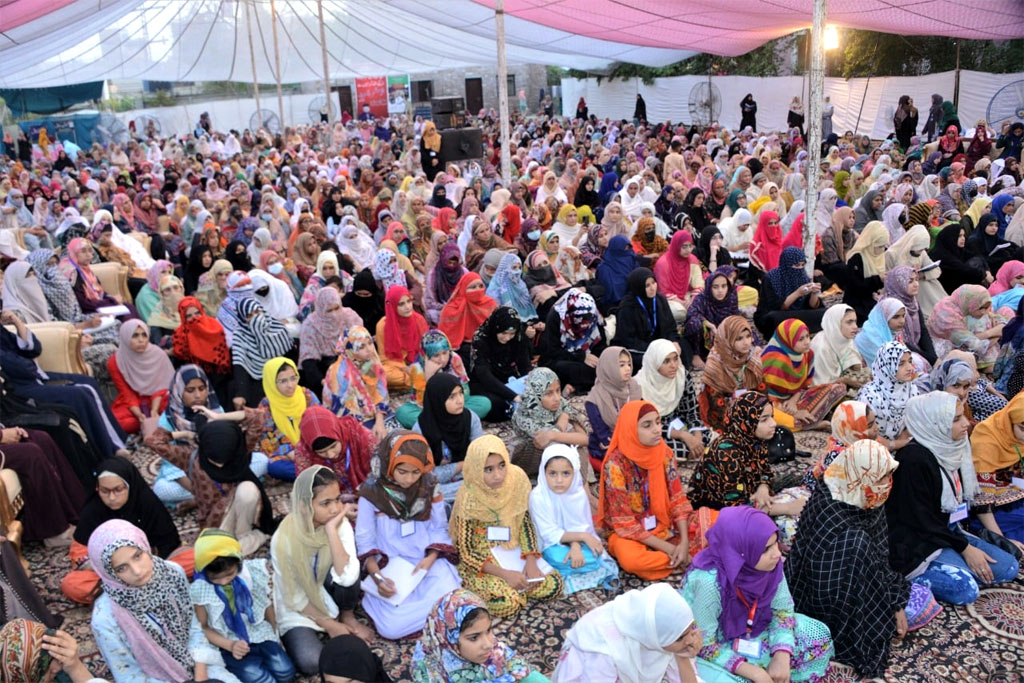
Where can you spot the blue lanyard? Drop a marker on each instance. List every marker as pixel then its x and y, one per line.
pixel 316 562
pixel 652 315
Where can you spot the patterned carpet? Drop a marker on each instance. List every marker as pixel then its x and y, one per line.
pixel 982 643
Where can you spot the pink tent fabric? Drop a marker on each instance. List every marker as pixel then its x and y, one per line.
pixel 733 27
pixel 14 13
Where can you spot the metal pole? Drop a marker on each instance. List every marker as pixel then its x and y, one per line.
pixel 277 63
pixel 956 78
pixel 506 129
pixel 815 106
pixel 252 61
pixel 323 51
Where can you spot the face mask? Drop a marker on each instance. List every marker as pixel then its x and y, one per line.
pixel 265 216
pixel 263 291
pixel 533 235
pixel 275 268
pixel 18 202
pixel 145 186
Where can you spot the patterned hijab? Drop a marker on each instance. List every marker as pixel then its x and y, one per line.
pixel 22 656
pixel 508 289
pixel 785 370
pixel 580 320
pixel 356 387
pixel 156 618
pixel 180 417
pixel 436 658
pixel 478 502
pixel 414 503
pixel 861 475
pixel 532 417
pixel 887 396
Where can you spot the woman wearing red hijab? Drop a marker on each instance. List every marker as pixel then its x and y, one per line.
pixel 766 246
pixel 512 221
pixel 466 310
pixel 200 339
pixel 398 337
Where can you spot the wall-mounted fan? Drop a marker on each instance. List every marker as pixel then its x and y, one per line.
pixel 1006 105
pixel 265 118
pixel 147 126
pixel 109 129
pixel 314 107
pixel 705 103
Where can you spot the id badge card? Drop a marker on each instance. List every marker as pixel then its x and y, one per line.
pixel 408 528
pixel 1018 482
pixel 498 533
pixel 650 522
pixel 748 648
pixel 960 513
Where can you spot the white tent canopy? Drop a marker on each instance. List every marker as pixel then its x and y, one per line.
pixel 207 40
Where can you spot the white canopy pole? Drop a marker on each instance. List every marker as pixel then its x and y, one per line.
pixel 277 63
pixel 323 52
pixel 506 153
pixel 815 106
pixel 252 61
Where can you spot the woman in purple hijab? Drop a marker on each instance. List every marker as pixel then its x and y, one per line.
pixel 743 607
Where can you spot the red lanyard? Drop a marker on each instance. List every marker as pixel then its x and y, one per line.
pixel 750 614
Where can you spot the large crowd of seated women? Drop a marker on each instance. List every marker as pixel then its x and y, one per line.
pixel 333 308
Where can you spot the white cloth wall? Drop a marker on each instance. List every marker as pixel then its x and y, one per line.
pixel 225 114
pixel 871 99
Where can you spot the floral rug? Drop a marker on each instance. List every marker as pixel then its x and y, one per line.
pixel 980 643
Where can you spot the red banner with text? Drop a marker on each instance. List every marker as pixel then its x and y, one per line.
pixel 373 92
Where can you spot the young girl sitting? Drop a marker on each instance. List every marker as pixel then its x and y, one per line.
pixel 744 610
pixel 316 571
pixel 141 373
pixel 642 635
pixel 562 515
pixel 458 646
pixel 283 405
pixel 437 356
pixel 231 598
pixel 491 510
pixel 356 384
pixel 544 417
pixel 402 516
pixel 143 622
pixel 615 387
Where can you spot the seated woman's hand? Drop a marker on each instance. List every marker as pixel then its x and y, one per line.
pixel 575 556
pixel 13 435
pixel 595 545
pixel 516 580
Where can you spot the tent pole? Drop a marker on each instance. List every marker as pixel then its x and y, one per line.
pixel 506 142
pixel 814 109
pixel 252 61
pixel 323 52
pixel 956 77
pixel 277 63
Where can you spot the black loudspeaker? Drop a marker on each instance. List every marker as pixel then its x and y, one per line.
pixel 459 144
pixel 448 112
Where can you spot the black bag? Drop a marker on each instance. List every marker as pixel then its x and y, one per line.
pixel 782 447
pixel 998 541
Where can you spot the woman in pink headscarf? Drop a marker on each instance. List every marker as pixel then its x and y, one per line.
pixel 678 274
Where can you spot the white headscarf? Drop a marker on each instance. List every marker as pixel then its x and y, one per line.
pixel 279 303
pixel 930 422
pixel 663 392
pixel 929 188
pixel 358 246
pixel 731 234
pixel 631 206
pixel 466 234
pixel 833 353
pixel 633 629
pixel 554 514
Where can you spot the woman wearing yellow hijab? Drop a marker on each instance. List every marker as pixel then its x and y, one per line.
pixel 997 444
pixel 866 267
pixel 284 403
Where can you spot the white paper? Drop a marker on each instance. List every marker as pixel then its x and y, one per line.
pixel 400 572
pixel 513 560
pixel 106 322
pixel 676 425
pixel 113 310
pixel 998 247
pixel 1018 482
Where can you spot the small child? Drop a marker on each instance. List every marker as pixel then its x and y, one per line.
pixel 233 604
pixel 565 528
